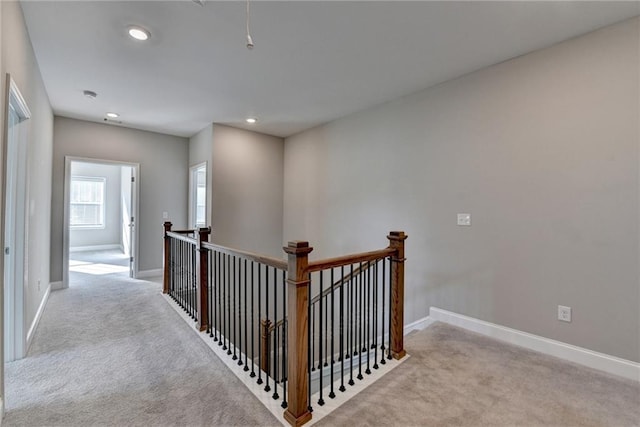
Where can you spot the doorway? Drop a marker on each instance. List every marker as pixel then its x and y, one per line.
pixel 100 219
pixel 15 223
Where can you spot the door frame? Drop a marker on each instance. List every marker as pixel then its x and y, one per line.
pixel 66 199
pixel 193 191
pixel 15 329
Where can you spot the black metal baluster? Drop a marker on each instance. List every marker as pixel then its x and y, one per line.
pixel 252 326
pixel 375 314
pixel 284 341
pixel 390 297
pixel 360 319
pixel 333 303
pixel 368 318
pixel 275 335
pixel 320 400
pixel 309 345
pixel 382 347
pixel 209 294
pixel 352 307
pixel 246 342
pixel 343 286
pixel 267 341
pixel 234 308
pixel 214 296
pixel 259 326
pixel 225 313
pixel 313 336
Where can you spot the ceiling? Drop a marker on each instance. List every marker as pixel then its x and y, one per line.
pixel 312 63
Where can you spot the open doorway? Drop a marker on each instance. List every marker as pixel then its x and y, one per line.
pixel 100 219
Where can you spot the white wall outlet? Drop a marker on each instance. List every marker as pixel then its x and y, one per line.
pixel 464 219
pixel 564 313
pixel 165 215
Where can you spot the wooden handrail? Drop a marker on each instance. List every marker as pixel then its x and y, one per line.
pixel 272 262
pixel 326 264
pixel 192 231
pixel 178 236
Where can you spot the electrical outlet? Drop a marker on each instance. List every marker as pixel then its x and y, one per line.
pixel 464 219
pixel 564 313
pixel 165 215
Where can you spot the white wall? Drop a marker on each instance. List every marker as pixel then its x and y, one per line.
pixel 17 58
pixel 543 152
pixel 163 179
pixel 247 190
pixel 111 233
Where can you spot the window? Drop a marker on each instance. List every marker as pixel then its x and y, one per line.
pixel 87 202
pixel 198 196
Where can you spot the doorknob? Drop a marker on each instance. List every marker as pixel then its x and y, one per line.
pixel 6 250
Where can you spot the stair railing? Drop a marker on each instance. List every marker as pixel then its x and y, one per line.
pixel 281 322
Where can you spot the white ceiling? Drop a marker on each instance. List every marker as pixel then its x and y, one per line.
pixel 312 62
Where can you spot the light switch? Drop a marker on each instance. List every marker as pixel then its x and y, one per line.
pixel 464 219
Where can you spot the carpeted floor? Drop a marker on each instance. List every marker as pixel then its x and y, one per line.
pixel 110 351
pixel 457 378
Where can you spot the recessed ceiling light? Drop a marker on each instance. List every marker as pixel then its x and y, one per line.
pixel 90 94
pixel 251 120
pixel 113 115
pixel 139 33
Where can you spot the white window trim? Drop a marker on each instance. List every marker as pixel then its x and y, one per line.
pixel 103 180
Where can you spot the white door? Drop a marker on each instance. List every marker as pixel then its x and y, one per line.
pixel 15 226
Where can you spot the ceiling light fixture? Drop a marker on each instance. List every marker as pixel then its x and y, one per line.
pixel 113 115
pixel 251 120
pixel 139 33
pixel 249 39
pixel 90 94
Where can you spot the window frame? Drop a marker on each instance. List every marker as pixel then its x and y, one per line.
pixel 102 205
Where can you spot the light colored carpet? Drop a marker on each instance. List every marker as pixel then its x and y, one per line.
pixel 457 378
pixel 112 352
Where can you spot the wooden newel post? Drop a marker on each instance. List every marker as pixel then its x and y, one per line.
pixel 167 258
pixel 265 326
pixel 202 279
pixel 297 412
pixel 396 242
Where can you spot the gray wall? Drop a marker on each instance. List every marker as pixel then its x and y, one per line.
pixel 201 150
pixel 247 188
pixel 111 234
pixel 543 152
pixel 163 179
pixel 18 60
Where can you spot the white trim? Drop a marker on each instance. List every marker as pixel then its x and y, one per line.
pixel 56 286
pixel 95 248
pixel 592 359
pixel 36 319
pixel 1 410
pixel 149 273
pixel 418 325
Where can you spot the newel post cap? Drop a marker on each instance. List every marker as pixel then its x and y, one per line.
pixel 297 247
pixel 397 235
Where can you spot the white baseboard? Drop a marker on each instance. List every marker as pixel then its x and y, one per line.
pixel 95 248
pixel 149 273
pixel 56 286
pixel 1 410
pixel 36 319
pixel 592 359
pixel 418 325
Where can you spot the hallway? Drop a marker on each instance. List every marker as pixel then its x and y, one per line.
pixel 110 351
